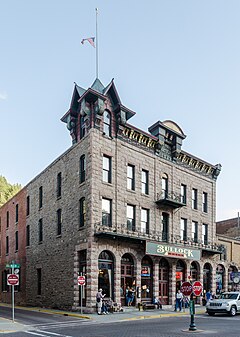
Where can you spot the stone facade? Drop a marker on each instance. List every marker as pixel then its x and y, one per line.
pixel 109 246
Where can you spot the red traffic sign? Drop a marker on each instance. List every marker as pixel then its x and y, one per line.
pixel 197 288
pixel 81 280
pixel 12 280
pixel 186 288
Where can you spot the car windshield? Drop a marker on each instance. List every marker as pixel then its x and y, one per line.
pixel 229 296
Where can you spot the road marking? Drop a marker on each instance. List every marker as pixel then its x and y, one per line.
pixel 39 333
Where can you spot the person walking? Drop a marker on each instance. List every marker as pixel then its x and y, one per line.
pixel 99 298
pixel 209 295
pixel 179 299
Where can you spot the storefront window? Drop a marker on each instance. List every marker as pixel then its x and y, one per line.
pixel 219 278
pixel 146 278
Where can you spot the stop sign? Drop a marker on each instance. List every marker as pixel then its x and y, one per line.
pixel 12 279
pixel 197 288
pixel 81 280
pixel 186 288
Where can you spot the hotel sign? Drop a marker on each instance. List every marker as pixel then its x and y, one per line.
pixel 172 251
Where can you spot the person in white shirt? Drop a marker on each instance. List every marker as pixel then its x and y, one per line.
pixel 179 299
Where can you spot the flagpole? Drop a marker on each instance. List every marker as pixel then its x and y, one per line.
pixel 96 44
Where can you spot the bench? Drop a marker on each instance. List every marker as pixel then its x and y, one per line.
pixel 146 305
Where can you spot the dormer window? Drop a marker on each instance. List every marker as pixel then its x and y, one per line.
pixel 107 123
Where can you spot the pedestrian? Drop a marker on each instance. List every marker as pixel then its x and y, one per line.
pixel 179 299
pixel 104 309
pixel 130 296
pixel 99 298
pixel 209 295
pixel 157 302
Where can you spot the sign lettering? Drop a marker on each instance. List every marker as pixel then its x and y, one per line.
pixel 153 248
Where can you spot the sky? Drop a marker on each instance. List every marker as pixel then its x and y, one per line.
pixel 170 59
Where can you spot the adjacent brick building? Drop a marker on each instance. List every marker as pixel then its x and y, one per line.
pixel 122 207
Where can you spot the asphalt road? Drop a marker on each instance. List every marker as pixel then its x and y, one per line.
pixel 60 326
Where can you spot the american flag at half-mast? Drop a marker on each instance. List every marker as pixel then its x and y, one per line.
pixel 90 40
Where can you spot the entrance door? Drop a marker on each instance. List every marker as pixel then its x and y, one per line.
pixel 163 281
pixel 127 278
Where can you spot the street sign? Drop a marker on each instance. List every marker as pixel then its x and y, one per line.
pixel 12 265
pixel 12 280
pixel 186 288
pixel 197 288
pixel 81 280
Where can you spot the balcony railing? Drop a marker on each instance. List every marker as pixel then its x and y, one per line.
pixel 171 199
pixel 122 233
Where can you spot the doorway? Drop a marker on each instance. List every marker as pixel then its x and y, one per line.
pixel 127 277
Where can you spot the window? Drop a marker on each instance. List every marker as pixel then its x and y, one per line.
pixel 205 234
pixel 131 217
pixel 40 197
pixel 204 202
pixel 82 127
pixel 82 168
pixel 194 231
pixel 5 286
pixel 145 221
pixel 16 213
pixel 164 187
pixel 107 168
pixel 145 182
pixel 82 212
pixel 16 241
pixel 28 236
pixel 183 229
pixel 59 185
pixel 0 225
pixel 107 212
pixel 131 177
pixel 183 194
pixel 165 225
pixel 7 225
pixel 40 230
pixel 59 221
pixel 28 205
pixel 194 198
pixel 39 281
pixel 107 123
pixel 7 245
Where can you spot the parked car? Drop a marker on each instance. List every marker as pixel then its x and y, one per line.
pixel 228 302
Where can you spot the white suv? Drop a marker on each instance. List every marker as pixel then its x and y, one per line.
pixel 228 302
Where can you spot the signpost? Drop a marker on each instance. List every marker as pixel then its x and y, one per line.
pixel 13 280
pixel 81 282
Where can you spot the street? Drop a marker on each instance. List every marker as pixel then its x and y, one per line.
pixel 49 325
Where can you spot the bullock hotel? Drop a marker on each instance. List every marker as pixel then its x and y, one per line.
pixel 122 206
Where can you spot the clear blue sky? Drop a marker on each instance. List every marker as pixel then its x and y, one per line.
pixel 170 59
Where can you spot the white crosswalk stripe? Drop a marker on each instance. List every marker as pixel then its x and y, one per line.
pixel 46 333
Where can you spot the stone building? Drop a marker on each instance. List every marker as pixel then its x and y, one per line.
pixel 123 207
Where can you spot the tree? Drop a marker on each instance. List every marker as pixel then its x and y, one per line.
pixel 7 191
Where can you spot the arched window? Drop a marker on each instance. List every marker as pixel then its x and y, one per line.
pixel 107 123
pixel 106 273
pixel 220 271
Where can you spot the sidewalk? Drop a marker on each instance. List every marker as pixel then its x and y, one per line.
pixel 129 313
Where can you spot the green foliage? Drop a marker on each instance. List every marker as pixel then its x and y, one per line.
pixel 7 191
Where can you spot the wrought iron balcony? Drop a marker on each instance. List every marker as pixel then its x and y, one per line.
pixel 170 199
